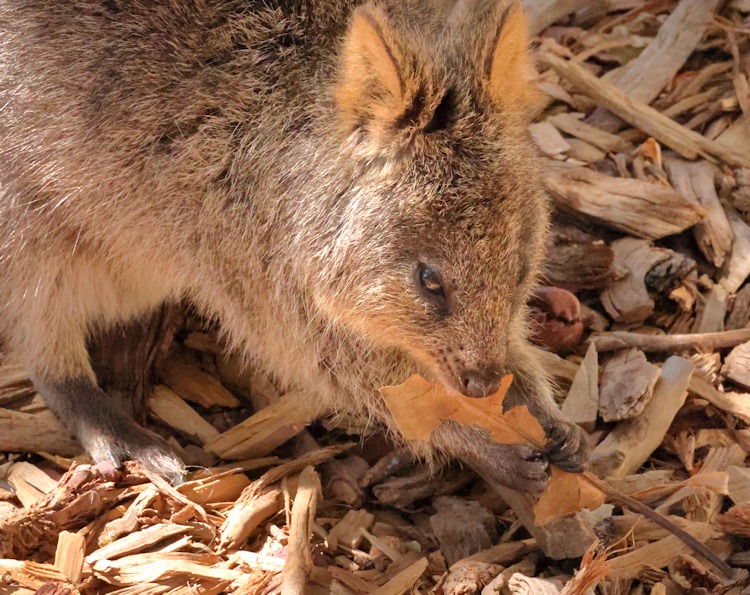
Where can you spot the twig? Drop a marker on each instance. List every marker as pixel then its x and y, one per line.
pixel 660 520
pixel 686 142
pixel 299 561
pixel 671 343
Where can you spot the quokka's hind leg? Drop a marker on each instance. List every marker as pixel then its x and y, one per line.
pixel 107 433
pixel 49 329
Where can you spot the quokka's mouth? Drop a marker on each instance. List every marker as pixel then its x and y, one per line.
pixel 453 388
pixel 450 382
pixel 441 372
pixel 434 372
pixel 471 383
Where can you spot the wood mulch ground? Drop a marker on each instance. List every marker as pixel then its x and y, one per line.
pixel 646 134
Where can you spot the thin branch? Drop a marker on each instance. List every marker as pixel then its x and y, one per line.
pixel 671 343
pixel 662 521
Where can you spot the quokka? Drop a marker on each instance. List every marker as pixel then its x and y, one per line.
pixel 349 187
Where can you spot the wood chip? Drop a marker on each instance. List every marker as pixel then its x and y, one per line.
pixel 461 527
pixel 627 385
pixel 712 312
pixel 348 531
pixel 149 568
pixel 261 499
pixel 71 548
pixel 548 139
pixel 584 152
pixel 627 299
pixel 137 542
pixel 196 386
pixel 695 181
pixel 737 268
pixel 739 484
pixel 574 125
pixel 670 343
pixel 30 483
pixel 644 77
pixel 405 580
pixel 174 411
pixel 577 260
pixel 737 365
pixel 628 446
pixel 687 143
pixel 582 403
pixel 642 209
pixel 19 432
pixel 739 316
pixel 518 584
pixel 657 554
pixel 734 403
pixel 225 487
pixel 269 428
pixel 504 553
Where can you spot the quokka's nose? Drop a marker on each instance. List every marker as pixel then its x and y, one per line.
pixel 478 385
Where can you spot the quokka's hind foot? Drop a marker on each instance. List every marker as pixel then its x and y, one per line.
pixel 134 443
pixel 105 432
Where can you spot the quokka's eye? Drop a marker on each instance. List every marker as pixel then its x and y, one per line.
pixel 430 282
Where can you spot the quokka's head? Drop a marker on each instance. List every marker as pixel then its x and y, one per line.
pixel 439 241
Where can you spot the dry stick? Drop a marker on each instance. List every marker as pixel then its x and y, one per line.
pixel 671 343
pixel 662 521
pixel 686 142
pixel 299 562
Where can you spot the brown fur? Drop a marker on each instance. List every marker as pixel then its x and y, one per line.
pixel 285 166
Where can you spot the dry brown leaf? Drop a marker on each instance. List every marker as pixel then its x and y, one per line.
pixel 419 406
pixel 566 494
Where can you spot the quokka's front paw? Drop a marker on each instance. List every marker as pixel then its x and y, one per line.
pixel 567 446
pixel 132 442
pixel 516 466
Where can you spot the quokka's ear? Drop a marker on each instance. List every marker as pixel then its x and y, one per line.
pixel 383 84
pixel 507 66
